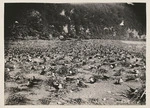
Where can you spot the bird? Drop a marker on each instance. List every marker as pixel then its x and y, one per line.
pixel 92 80
pixel 105 77
pixel 98 66
pixel 131 89
pixel 53 74
pixel 72 72
pixel 113 65
pixel 29 59
pixel 57 85
pixel 135 71
pixel 80 83
pixel 119 81
pixel 33 68
pixel 30 83
pixel 131 66
pixel 34 79
pixel 7 69
pixel 43 70
pixel 68 79
pixel 17 78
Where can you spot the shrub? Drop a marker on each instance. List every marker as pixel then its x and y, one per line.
pixel 138 95
pixel 16 99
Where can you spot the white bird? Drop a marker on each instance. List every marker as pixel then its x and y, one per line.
pixel 122 23
pixel 119 81
pixel 61 37
pixel 16 22
pixel 57 85
pixel 7 69
pixel 63 12
pixel 43 70
pixel 92 80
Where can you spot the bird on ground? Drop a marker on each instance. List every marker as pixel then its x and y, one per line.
pixel 33 68
pixel 113 65
pixel 131 66
pixel 119 81
pixel 92 80
pixel 57 85
pixel 105 77
pixel 68 79
pixel 32 81
pixel 43 70
pixel 17 78
pixel 80 83
pixel 131 89
pixel 7 70
pixel 71 72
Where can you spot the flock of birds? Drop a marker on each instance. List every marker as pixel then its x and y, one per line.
pixel 61 64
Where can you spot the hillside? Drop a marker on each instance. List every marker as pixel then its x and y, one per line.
pixel 97 20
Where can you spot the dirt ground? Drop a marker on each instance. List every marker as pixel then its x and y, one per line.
pixel 72 63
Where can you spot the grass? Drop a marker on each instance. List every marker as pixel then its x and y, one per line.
pixel 16 99
pixel 76 101
pixel 94 101
pixel 45 101
pixel 136 95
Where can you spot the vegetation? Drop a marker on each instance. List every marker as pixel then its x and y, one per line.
pixel 16 99
pixel 48 21
pixel 75 72
pixel 75 54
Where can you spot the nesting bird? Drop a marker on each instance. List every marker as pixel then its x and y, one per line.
pixel 113 65
pixel 7 69
pixel 57 85
pixel 105 77
pixel 17 78
pixel 131 66
pixel 92 80
pixel 80 84
pixel 10 66
pixel 137 72
pixel 72 72
pixel 33 68
pixel 119 81
pixel 43 70
pixel 68 79
pixel 32 82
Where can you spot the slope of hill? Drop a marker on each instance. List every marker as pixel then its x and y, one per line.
pixel 96 20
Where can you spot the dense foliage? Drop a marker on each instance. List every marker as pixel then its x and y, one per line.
pixel 47 21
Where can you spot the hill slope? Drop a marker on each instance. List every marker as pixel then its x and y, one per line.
pixel 97 20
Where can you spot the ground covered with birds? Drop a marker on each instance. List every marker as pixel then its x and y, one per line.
pixel 75 72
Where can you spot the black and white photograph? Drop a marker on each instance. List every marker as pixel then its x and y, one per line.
pixel 75 53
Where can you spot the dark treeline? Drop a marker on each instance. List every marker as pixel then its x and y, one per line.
pixel 46 21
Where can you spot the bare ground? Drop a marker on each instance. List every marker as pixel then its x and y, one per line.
pixel 102 92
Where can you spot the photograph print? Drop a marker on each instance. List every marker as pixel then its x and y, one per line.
pixel 75 53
